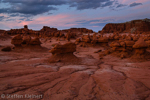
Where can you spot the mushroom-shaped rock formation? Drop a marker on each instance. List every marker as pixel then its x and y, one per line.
pixel 115 44
pixel 64 53
pixel 129 43
pixel 140 46
pixel 17 40
pixel 26 39
pixel 62 49
pixel 25 26
pixel 35 41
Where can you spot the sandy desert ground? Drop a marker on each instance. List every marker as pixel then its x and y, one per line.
pixel 26 73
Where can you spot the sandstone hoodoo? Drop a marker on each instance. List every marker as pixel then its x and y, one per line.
pixel 25 26
pixel 26 39
pixel 129 44
pixel 140 46
pixel 64 53
pixel 63 49
pixel 35 41
pixel 131 27
pixel 17 40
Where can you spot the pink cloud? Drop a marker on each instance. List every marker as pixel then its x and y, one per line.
pixel 61 20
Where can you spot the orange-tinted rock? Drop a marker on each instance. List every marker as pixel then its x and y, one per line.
pixel 115 44
pixel 116 37
pixel 135 38
pixel 103 40
pixel 94 39
pixel 62 49
pixel 78 40
pixel 68 36
pixel 129 43
pixel 86 38
pixel 26 39
pixel 118 48
pixel 17 40
pixel 123 44
pixel 128 38
pixel 140 44
pixel 35 41
pixel 132 26
pixel 140 51
pixel 148 43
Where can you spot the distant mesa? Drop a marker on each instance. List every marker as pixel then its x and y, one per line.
pixel 134 26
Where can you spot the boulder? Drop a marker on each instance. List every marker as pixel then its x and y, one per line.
pixel 35 41
pixel 26 39
pixel 129 43
pixel 140 46
pixel 115 44
pixel 64 54
pixel 63 49
pixel 122 43
pixel 17 40
pixel 25 26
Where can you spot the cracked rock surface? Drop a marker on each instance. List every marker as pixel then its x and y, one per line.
pixel 110 78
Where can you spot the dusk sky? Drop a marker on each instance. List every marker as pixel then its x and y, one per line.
pixel 64 14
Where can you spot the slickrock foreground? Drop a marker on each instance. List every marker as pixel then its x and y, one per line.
pixel 84 67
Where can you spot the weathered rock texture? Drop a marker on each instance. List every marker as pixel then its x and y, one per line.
pixel 132 26
pixel 82 30
pixel 17 40
pixel 64 53
pixel 140 46
pixel 63 49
